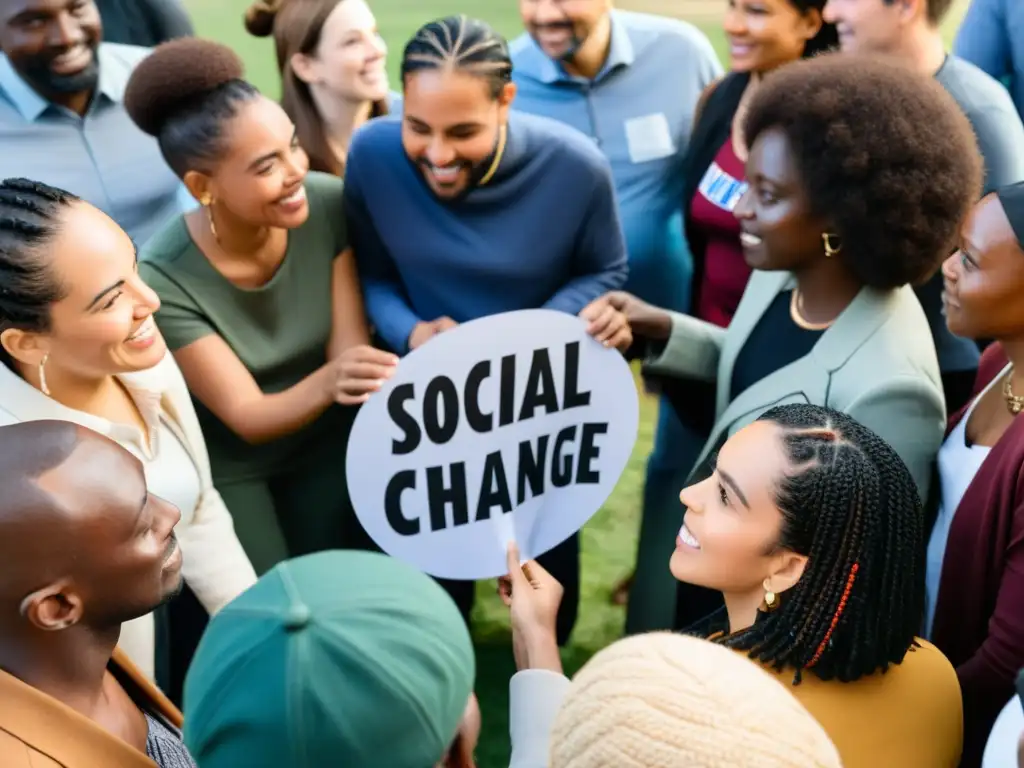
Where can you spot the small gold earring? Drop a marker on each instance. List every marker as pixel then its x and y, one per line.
pixel 830 250
pixel 771 600
pixel 42 374
pixel 209 215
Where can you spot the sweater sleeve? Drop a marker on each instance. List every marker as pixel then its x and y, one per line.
pixel 386 302
pixel 535 696
pixel 987 678
pixel 599 262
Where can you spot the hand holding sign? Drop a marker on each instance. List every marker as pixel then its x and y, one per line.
pixel 533 596
pixel 608 325
pixel 513 427
pixel 424 331
pixel 358 372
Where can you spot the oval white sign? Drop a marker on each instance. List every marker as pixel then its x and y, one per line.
pixel 514 426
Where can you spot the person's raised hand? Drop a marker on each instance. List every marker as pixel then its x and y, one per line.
pixel 425 330
pixel 644 319
pixel 358 372
pixel 533 596
pixel 607 325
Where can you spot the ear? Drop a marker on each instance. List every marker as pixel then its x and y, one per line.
pixel 53 608
pixel 911 10
pixel 25 347
pixel 787 569
pixel 304 67
pixel 811 21
pixel 505 99
pixel 199 184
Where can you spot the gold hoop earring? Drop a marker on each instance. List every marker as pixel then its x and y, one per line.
pixel 771 600
pixel 830 250
pixel 42 375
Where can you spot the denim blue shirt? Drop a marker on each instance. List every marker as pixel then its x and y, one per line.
pixel 992 38
pixel 101 157
pixel 639 111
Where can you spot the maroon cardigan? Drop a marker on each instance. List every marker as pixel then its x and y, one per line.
pixel 979 616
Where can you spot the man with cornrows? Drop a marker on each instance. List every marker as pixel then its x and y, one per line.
pixel 459 208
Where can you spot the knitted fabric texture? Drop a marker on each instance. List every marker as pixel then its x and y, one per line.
pixel 664 701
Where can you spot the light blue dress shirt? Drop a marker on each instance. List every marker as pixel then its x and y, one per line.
pixel 639 110
pixel 101 157
pixel 992 38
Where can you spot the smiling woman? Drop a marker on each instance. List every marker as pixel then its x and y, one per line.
pixel 260 302
pixel 79 344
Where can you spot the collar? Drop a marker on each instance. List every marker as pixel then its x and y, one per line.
pixel 31 105
pixel 536 64
pixel 48 727
pixel 26 403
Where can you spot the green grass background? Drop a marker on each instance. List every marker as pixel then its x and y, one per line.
pixel 609 540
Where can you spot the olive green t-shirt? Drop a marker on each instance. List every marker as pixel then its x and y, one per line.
pixel 279 331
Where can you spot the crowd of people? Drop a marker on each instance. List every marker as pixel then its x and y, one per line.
pixel 815 255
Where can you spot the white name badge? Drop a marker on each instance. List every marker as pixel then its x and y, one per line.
pixel 512 427
pixel 649 138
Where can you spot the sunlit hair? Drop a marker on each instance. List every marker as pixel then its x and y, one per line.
pixel 458 43
pixel 850 505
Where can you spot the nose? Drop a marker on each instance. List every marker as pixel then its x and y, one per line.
pixel 951 266
pixel 439 152
pixel 828 13
pixel 735 22
pixel 146 300
pixel 689 496
pixel 379 47
pixel 549 12
pixel 65 32
pixel 744 210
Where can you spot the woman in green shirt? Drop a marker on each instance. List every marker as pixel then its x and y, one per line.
pixel 260 301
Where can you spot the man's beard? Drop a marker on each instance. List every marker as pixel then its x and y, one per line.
pixel 39 74
pixel 477 171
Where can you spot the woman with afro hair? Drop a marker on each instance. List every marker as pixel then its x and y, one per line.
pixel 860 172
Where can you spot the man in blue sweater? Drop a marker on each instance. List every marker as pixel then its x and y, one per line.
pixel 459 209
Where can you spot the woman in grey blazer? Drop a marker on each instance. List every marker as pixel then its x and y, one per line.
pixel 859 174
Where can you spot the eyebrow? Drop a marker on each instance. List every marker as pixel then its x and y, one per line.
pixel 728 480
pixel 142 506
pixel 99 296
pixel 270 155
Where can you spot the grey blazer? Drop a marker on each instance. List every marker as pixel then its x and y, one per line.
pixel 876 362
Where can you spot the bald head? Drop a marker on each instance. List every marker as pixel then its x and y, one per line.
pixel 78 527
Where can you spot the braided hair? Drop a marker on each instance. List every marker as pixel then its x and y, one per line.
pixel 29 219
pixel 850 505
pixel 461 44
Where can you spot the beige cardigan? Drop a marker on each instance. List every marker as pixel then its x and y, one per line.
pixel 214 564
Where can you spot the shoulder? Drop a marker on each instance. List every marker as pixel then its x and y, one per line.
pixel 166 256
pixel 981 97
pixel 380 134
pixel 558 144
pixel 667 34
pixel 926 664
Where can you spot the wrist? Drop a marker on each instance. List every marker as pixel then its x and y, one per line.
pixel 541 651
pixel 657 327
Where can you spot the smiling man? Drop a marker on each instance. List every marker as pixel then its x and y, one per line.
pixel 61 115
pixel 84 548
pixel 910 30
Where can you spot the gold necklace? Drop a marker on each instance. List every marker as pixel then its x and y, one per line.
pixel 796 304
pixel 498 154
pixel 1014 403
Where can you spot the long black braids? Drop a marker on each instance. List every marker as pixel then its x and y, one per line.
pixel 29 219
pixel 850 505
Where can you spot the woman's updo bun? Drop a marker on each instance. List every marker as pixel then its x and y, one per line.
pixel 260 17
pixel 175 75
pixel 183 93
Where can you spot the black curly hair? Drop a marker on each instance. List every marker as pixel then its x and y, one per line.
pixel 850 505
pixel 30 214
pixel 827 38
pixel 884 154
pixel 183 93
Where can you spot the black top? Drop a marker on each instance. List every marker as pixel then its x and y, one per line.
pixel 775 342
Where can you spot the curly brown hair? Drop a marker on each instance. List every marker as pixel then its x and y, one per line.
pixel 885 155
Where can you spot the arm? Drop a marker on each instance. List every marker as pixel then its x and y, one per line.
pixel 599 261
pixel 691 351
pixel 908 413
pixel 1000 136
pixel 348 317
pixel 168 19
pixel 535 696
pixel 223 384
pixel 386 302
pixel 983 39
pixel 994 667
